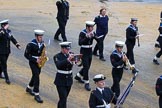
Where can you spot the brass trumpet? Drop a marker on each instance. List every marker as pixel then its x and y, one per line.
pixel 128 62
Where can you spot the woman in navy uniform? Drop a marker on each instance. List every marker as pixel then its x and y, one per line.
pixel 102 96
pixel 5 38
pixel 160 42
pixel 86 37
pixel 101 22
pixel 118 60
pixel 32 53
pixel 159 90
pixel 131 36
pixel 62 17
pixel 64 77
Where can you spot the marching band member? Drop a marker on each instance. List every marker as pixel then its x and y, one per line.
pixel 62 17
pixel 101 22
pixel 5 38
pixel 159 90
pixel 117 60
pixel 32 53
pixel 160 42
pixel 102 96
pixel 86 37
pixel 157 45
pixel 64 77
pixel 131 36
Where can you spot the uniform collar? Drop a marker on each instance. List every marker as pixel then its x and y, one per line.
pixel 102 15
pixel 100 89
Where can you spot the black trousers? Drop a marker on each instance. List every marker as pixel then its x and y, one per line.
pixel 130 53
pixel 0 69
pixel 61 29
pixel 117 74
pixel 86 61
pixel 34 82
pixel 3 64
pixel 160 52
pixel 160 101
pixel 99 46
pixel 63 92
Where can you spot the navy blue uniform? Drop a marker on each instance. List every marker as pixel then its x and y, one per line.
pixel 64 78
pixel 5 38
pixel 160 42
pixel 131 33
pixel 101 31
pixel 32 52
pixel 117 71
pixel 97 98
pixel 86 50
pixel 62 17
pixel 159 88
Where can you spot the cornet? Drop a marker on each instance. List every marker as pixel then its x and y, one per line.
pixel 77 58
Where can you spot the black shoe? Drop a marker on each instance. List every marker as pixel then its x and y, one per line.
pixel 156 62
pixel 8 82
pixel 64 40
pixel 79 79
pixel 38 99
pixel 87 87
pixel 157 46
pixel 28 90
pixel 95 54
pixel 57 39
pixel 102 59
pixel 134 71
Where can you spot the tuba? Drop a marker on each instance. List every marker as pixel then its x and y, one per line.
pixel 43 57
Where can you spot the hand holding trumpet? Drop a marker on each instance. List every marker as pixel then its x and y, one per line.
pixel 124 58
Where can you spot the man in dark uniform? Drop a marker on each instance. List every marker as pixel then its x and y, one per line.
pixel 131 36
pixel 86 37
pixel 101 22
pixel 118 60
pixel 32 53
pixel 64 77
pixel 102 96
pixel 5 38
pixel 160 42
pixel 159 90
pixel 62 17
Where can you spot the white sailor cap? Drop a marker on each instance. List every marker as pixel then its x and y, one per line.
pixel 39 32
pixel 119 43
pixel 66 45
pixel 134 19
pixel 4 21
pixel 99 77
pixel 90 23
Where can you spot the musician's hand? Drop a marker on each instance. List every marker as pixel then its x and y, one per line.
pixel 124 58
pixel 18 46
pixel 90 34
pixel 71 57
pixel 38 60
